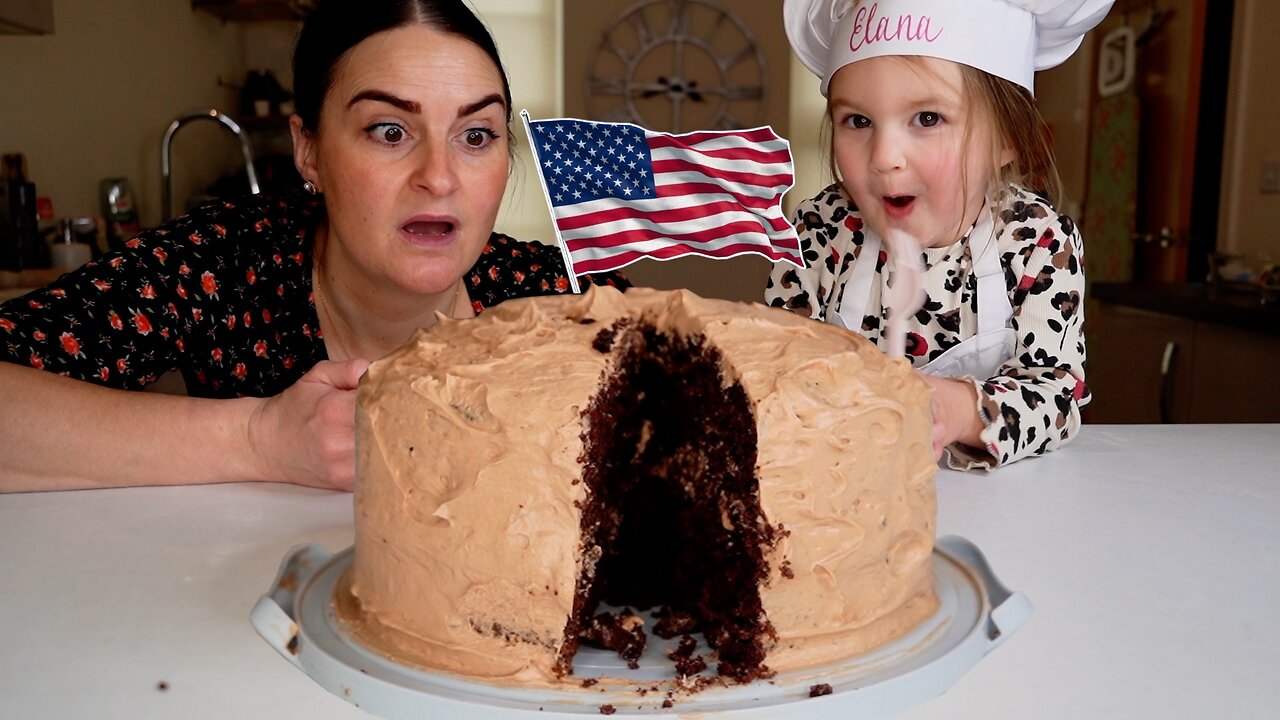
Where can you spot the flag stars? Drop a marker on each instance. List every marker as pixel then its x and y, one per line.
pixel 580 164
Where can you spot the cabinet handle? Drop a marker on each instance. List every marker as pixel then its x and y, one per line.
pixel 1167 366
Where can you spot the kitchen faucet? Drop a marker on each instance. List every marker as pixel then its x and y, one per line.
pixel 166 170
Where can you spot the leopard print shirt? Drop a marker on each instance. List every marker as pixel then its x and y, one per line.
pixel 1032 405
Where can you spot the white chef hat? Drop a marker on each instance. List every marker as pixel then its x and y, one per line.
pixel 1007 38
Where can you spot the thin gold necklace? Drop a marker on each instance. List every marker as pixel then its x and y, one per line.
pixel 326 316
pixel 328 325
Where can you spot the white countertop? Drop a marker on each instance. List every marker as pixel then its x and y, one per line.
pixel 1151 554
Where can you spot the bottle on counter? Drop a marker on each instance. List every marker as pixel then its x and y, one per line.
pixel 8 244
pixel 86 231
pixel 24 249
pixel 68 252
pixel 120 210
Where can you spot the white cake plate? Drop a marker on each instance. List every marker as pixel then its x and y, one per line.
pixel 975 615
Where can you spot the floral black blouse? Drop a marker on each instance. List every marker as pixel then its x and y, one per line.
pixel 223 295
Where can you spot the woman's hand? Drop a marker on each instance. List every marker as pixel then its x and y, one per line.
pixel 306 434
pixel 955 413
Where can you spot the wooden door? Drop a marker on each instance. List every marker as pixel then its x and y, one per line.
pixel 1182 76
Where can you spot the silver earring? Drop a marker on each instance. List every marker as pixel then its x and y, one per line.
pixel 310 187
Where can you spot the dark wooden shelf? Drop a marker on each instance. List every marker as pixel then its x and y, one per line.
pixel 255 10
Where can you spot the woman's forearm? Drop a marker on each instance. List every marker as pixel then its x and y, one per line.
pixel 58 434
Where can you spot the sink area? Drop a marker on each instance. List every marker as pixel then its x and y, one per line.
pixel 166 154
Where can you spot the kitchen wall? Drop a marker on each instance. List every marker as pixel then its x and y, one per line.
pixel 93 99
pixel 524 29
pixel 1250 220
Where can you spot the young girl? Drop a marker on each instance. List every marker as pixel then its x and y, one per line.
pixel 935 133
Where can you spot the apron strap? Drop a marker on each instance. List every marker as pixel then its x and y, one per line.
pixel 857 292
pixel 994 307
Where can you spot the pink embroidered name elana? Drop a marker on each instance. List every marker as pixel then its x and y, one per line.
pixel 869 27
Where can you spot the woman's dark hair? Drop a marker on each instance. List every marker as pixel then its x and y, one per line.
pixel 336 26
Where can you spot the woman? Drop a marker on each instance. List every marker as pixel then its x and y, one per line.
pixel 272 309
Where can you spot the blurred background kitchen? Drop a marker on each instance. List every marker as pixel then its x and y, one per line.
pixel 116 114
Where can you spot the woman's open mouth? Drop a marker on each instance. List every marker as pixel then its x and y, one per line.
pixel 429 231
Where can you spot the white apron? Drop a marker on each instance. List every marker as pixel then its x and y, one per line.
pixel 979 356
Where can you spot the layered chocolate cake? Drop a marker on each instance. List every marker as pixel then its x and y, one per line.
pixel 744 473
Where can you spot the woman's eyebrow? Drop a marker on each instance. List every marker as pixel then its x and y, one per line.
pixel 408 106
pixel 481 104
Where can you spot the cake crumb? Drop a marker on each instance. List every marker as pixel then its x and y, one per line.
pixel 624 634
pixel 667 703
pixel 819 690
pixel 674 622
pixel 588 682
pixel 607 710
pixel 686 662
pixel 604 340
pixel 162 686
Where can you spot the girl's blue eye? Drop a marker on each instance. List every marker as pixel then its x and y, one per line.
pixel 929 119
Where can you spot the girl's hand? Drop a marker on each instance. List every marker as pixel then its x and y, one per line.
pixel 306 434
pixel 955 413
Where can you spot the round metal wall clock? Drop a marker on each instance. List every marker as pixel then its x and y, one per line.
pixel 677 65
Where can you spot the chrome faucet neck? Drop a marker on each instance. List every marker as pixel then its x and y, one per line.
pixel 166 149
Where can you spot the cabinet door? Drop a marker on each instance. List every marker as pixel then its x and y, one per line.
pixel 1128 350
pixel 1235 378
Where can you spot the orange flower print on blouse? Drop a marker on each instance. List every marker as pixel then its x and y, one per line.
pixel 222 295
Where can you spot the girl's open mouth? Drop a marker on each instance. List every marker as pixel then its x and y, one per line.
pixel 898 206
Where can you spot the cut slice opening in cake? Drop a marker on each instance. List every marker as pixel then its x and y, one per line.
pixel 672 516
